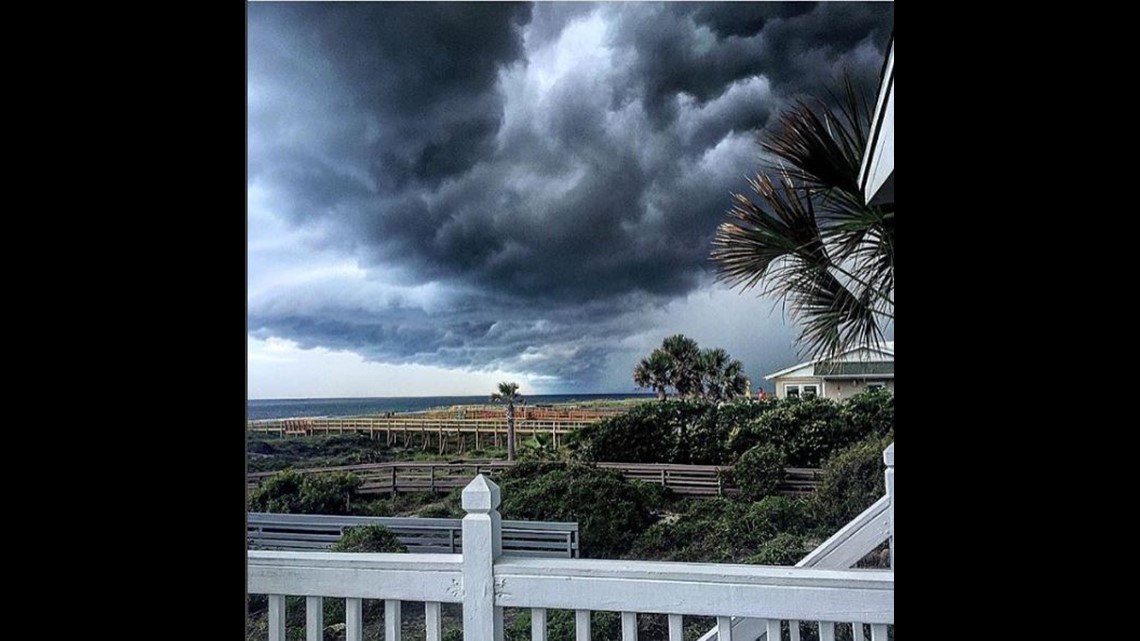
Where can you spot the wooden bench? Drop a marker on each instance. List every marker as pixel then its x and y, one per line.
pixel 443 536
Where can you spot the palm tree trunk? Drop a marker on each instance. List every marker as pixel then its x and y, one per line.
pixel 660 393
pixel 510 431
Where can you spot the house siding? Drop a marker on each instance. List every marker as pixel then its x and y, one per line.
pixel 838 389
pixel 834 388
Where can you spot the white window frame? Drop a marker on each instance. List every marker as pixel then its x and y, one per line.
pixel 876 385
pixel 799 387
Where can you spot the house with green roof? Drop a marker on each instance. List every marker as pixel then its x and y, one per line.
pixel 853 371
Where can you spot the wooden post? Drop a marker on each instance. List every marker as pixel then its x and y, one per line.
pixel 482 545
pixel 889 459
pixel 393 481
pixel 431 471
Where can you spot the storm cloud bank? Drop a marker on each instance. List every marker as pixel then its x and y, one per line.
pixel 512 186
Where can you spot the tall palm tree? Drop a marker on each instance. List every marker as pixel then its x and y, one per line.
pixel 653 372
pixel 684 356
pixel 810 239
pixel 722 377
pixel 509 393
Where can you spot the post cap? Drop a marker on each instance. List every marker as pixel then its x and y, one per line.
pixel 889 455
pixel 481 495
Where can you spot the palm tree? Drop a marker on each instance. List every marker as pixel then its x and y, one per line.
pixel 810 239
pixel 722 377
pixel 509 393
pixel 684 359
pixel 653 372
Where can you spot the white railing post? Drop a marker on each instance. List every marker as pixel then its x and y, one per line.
pixel 889 459
pixel 482 544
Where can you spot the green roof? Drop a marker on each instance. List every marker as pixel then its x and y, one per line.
pixel 855 368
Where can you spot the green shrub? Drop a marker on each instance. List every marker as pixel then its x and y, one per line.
pixel 440 510
pixel 869 413
pixel 368 538
pixel 712 530
pixel 783 549
pixel 290 492
pixel 648 433
pixel 329 493
pixel 759 471
pixel 851 481
pixel 279 493
pixel 778 514
pixel 539 447
pixel 610 510
pixel 808 430
pixel 682 431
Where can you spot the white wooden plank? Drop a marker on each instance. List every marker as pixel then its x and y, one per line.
pixel 314 618
pixel 392 620
pixel 433 620
pixel 857 632
pixel 276 617
pixel 724 628
pixel 794 630
pixel 537 624
pixel 689 572
pixel 878 632
pixel 354 619
pixel 628 626
pixel 581 625
pixel 408 577
pixel 773 630
pixel 826 631
pixel 740 591
pixel 676 628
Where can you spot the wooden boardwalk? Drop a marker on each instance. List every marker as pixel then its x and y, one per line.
pixel 480 428
pixel 685 480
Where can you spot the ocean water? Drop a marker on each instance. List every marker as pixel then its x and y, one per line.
pixel 311 407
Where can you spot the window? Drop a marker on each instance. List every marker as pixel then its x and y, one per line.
pixel 876 385
pixel 796 390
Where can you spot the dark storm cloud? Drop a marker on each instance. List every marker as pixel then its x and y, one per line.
pixel 560 167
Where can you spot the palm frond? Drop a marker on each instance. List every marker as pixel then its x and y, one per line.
pixel 810 239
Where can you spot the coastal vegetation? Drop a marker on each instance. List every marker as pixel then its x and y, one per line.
pixel 681 365
pixel 620 518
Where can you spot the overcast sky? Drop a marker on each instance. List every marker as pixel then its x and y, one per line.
pixel 443 196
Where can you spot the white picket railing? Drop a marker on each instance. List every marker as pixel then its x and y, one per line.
pixel 484 582
pixel 842 550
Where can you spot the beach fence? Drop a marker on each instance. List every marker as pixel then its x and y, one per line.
pixel 685 480
pixel 552 539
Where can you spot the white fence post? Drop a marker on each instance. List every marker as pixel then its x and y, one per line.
pixel 889 459
pixel 482 544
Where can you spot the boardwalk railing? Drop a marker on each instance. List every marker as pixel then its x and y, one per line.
pixel 432 536
pixel 685 480
pixel 842 550
pixel 485 580
pixel 405 427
